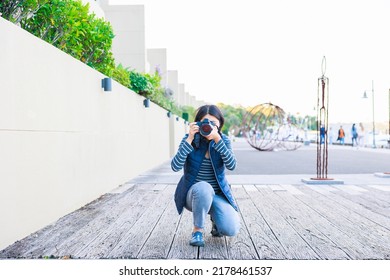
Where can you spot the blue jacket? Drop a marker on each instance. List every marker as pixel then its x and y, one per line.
pixel 192 166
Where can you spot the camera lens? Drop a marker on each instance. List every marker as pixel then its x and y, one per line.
pixel 205 129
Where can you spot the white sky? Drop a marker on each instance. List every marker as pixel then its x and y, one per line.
pixel 254 51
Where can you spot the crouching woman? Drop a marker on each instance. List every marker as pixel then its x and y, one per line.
pixel 203 189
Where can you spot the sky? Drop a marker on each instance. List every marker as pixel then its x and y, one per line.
pixel 248 52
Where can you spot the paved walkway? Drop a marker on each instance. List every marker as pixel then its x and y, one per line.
pixel 282 218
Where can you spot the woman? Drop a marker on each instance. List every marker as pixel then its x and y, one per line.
pixel 203 189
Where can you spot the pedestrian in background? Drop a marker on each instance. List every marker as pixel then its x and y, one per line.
pixel 354 134
pixel 322 134
pixel 341 135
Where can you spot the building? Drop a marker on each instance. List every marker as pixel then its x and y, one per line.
pixel 129 48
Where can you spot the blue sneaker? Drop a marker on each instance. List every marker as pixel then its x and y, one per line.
pixel 197 239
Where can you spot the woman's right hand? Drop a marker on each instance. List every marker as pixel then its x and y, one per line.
pixel 194 128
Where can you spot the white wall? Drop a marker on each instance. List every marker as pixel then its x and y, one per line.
pixel 173 83
pixel 158 58
pixel 181 95
pixel 63 140
pixel 128 23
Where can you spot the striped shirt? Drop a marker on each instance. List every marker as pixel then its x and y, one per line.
pixel 185 149
pixel 206 174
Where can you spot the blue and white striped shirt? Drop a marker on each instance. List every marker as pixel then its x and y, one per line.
pixel 185 149
pixel 206 174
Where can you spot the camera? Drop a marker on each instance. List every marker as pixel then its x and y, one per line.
pixel 205 127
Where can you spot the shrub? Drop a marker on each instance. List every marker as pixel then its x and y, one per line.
pixel 140 84
pixel 67 25
pixel 17 10
pixel 121 75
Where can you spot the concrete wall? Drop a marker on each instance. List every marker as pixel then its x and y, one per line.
pixel 63 140
pixel 181 96
pixel 128 23
pixel 173 83
pixel 158 58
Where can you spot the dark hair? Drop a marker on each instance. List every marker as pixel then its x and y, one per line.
pixel 211 110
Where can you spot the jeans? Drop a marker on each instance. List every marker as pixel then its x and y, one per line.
pixel 202 200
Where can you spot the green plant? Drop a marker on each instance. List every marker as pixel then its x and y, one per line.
pixel 68 25
pixel 139 83
pixel 121 75
pixel 17 10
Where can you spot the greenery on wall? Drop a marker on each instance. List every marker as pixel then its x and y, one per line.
pixel 67 25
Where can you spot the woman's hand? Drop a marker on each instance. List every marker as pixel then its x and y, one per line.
pixel 194 128
pixel 214 135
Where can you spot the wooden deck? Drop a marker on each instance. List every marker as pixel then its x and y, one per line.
pixel 139 221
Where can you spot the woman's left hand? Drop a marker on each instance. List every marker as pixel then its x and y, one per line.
pixel 214 135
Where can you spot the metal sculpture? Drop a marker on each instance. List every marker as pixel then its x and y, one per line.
pixel 266 129
pixel 322 124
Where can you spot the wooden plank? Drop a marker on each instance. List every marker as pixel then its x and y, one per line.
pixel 276 188
pixel 354 220
pixel 241 246
pixel 98 236
pixel 180 247
pixel 370 199
pixel 265 242
pixel 327 239
pixel 372 211
pixel 256 228
pixel 377 192
pixel 350 189
pixel 309 225
pixel 132 241
pixel 324 189
pixel 45 242
pixel 160 241
pixel 122 188
pixel 215 247
pixel 293 245
pixel 376 207
pixel 235 247
pixel 367 202
pixel 357 248
pixel 292 189
pixel 383 188
pixel 109 212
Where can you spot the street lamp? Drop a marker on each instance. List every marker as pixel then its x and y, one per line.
pixel 373 114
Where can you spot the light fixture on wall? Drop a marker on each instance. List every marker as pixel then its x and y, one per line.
pixel 107 84
pixel 169 114
pixel 177 119
pixel 147 103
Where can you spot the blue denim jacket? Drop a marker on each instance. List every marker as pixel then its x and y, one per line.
pixel 192 166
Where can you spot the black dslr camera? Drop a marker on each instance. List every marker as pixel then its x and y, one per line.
pixel 205 127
